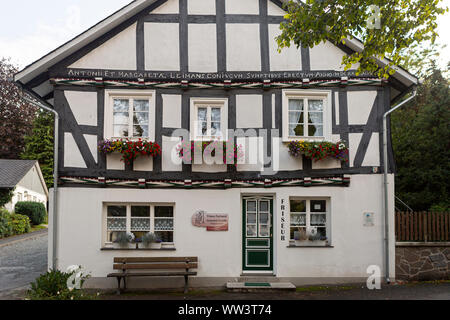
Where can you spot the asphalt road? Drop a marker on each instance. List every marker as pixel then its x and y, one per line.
pixel 21 263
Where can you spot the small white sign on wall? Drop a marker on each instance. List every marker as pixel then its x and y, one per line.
pixel 369 219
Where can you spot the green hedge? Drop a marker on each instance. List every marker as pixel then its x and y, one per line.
pixel 20 224
pixel 6 228
pixel 13 224
pixel 33 210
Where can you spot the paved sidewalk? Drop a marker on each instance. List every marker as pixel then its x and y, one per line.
pixel 22 237
pixel 409 291
pixel 22 260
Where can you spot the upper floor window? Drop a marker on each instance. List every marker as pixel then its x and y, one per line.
pixel 209 119
pixel 306 115
pixel 130 114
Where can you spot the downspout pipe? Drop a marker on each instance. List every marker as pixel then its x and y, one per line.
pixel 385 181
pixel 41 105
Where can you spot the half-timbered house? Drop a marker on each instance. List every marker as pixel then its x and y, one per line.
pixel 158 74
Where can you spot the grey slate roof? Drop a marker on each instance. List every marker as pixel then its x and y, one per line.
pixel 12 171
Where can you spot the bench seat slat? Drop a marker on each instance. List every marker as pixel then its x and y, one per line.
pixel 152 274
pixel 154 259
pixel 155 266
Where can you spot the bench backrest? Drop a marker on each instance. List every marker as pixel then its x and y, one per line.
pixel 145 263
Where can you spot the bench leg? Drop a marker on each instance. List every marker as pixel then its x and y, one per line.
pixel 118 285
pixel 124 283
pixel 186 284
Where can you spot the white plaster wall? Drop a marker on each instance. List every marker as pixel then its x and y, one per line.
pixel 283 161
pixel 355 139
pixel 202 44
pixel 252 150
pixel 92 143
pixel 354 246
pixel 249 111
pixel 72 154
pixel 242 7
pixel 162 46
pixel 274 10
pixel 170 159
pixel 326 56
pixel 118 53
pixel 84 106
pixel 209 168
pixel 372 158
pixel 202 7
pixel 170 7
pixel 288 59
pixel 336 106
pixel 243 46
pixel 360 105
pixel 171 110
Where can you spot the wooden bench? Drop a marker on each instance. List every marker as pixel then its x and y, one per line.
pixel 154 267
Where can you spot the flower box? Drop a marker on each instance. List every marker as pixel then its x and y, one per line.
pixel 318 151
pixel 208 151
pixel 130 149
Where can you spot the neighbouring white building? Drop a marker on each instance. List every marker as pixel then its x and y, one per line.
pixel 25 177
pixel 169 71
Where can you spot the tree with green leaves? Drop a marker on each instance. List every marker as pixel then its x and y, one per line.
pixel 16 115
pixel 421 142
pixel 39 145
pixel 6 196
pixel 389 29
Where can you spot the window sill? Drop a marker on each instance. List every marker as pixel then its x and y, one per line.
pixel 307 139
pixel 139 249
pixel 310 246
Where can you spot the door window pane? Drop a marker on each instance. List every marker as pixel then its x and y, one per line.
pixel 263 230
pixel 251 230
pixel 264 206
pixel 251 218
pixel 264 218
pixel 251 206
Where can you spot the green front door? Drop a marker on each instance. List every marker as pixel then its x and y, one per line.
pixel 257 234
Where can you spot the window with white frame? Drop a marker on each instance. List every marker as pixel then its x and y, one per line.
pixel 309 220
pixel 130 115
pixel 139 219
pixel 209 119
pixel 306 115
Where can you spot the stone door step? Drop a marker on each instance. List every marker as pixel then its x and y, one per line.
pixel 259 286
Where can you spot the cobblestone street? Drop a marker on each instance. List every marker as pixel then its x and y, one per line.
pixel 20 263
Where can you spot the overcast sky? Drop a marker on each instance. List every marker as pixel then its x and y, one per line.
pixel 30 29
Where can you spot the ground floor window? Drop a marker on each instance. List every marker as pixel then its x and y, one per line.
pixel 140 219
pixel 309 220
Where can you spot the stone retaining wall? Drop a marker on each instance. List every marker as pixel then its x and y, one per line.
pixel 421 261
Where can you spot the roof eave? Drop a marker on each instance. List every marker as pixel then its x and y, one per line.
pixel 41 65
